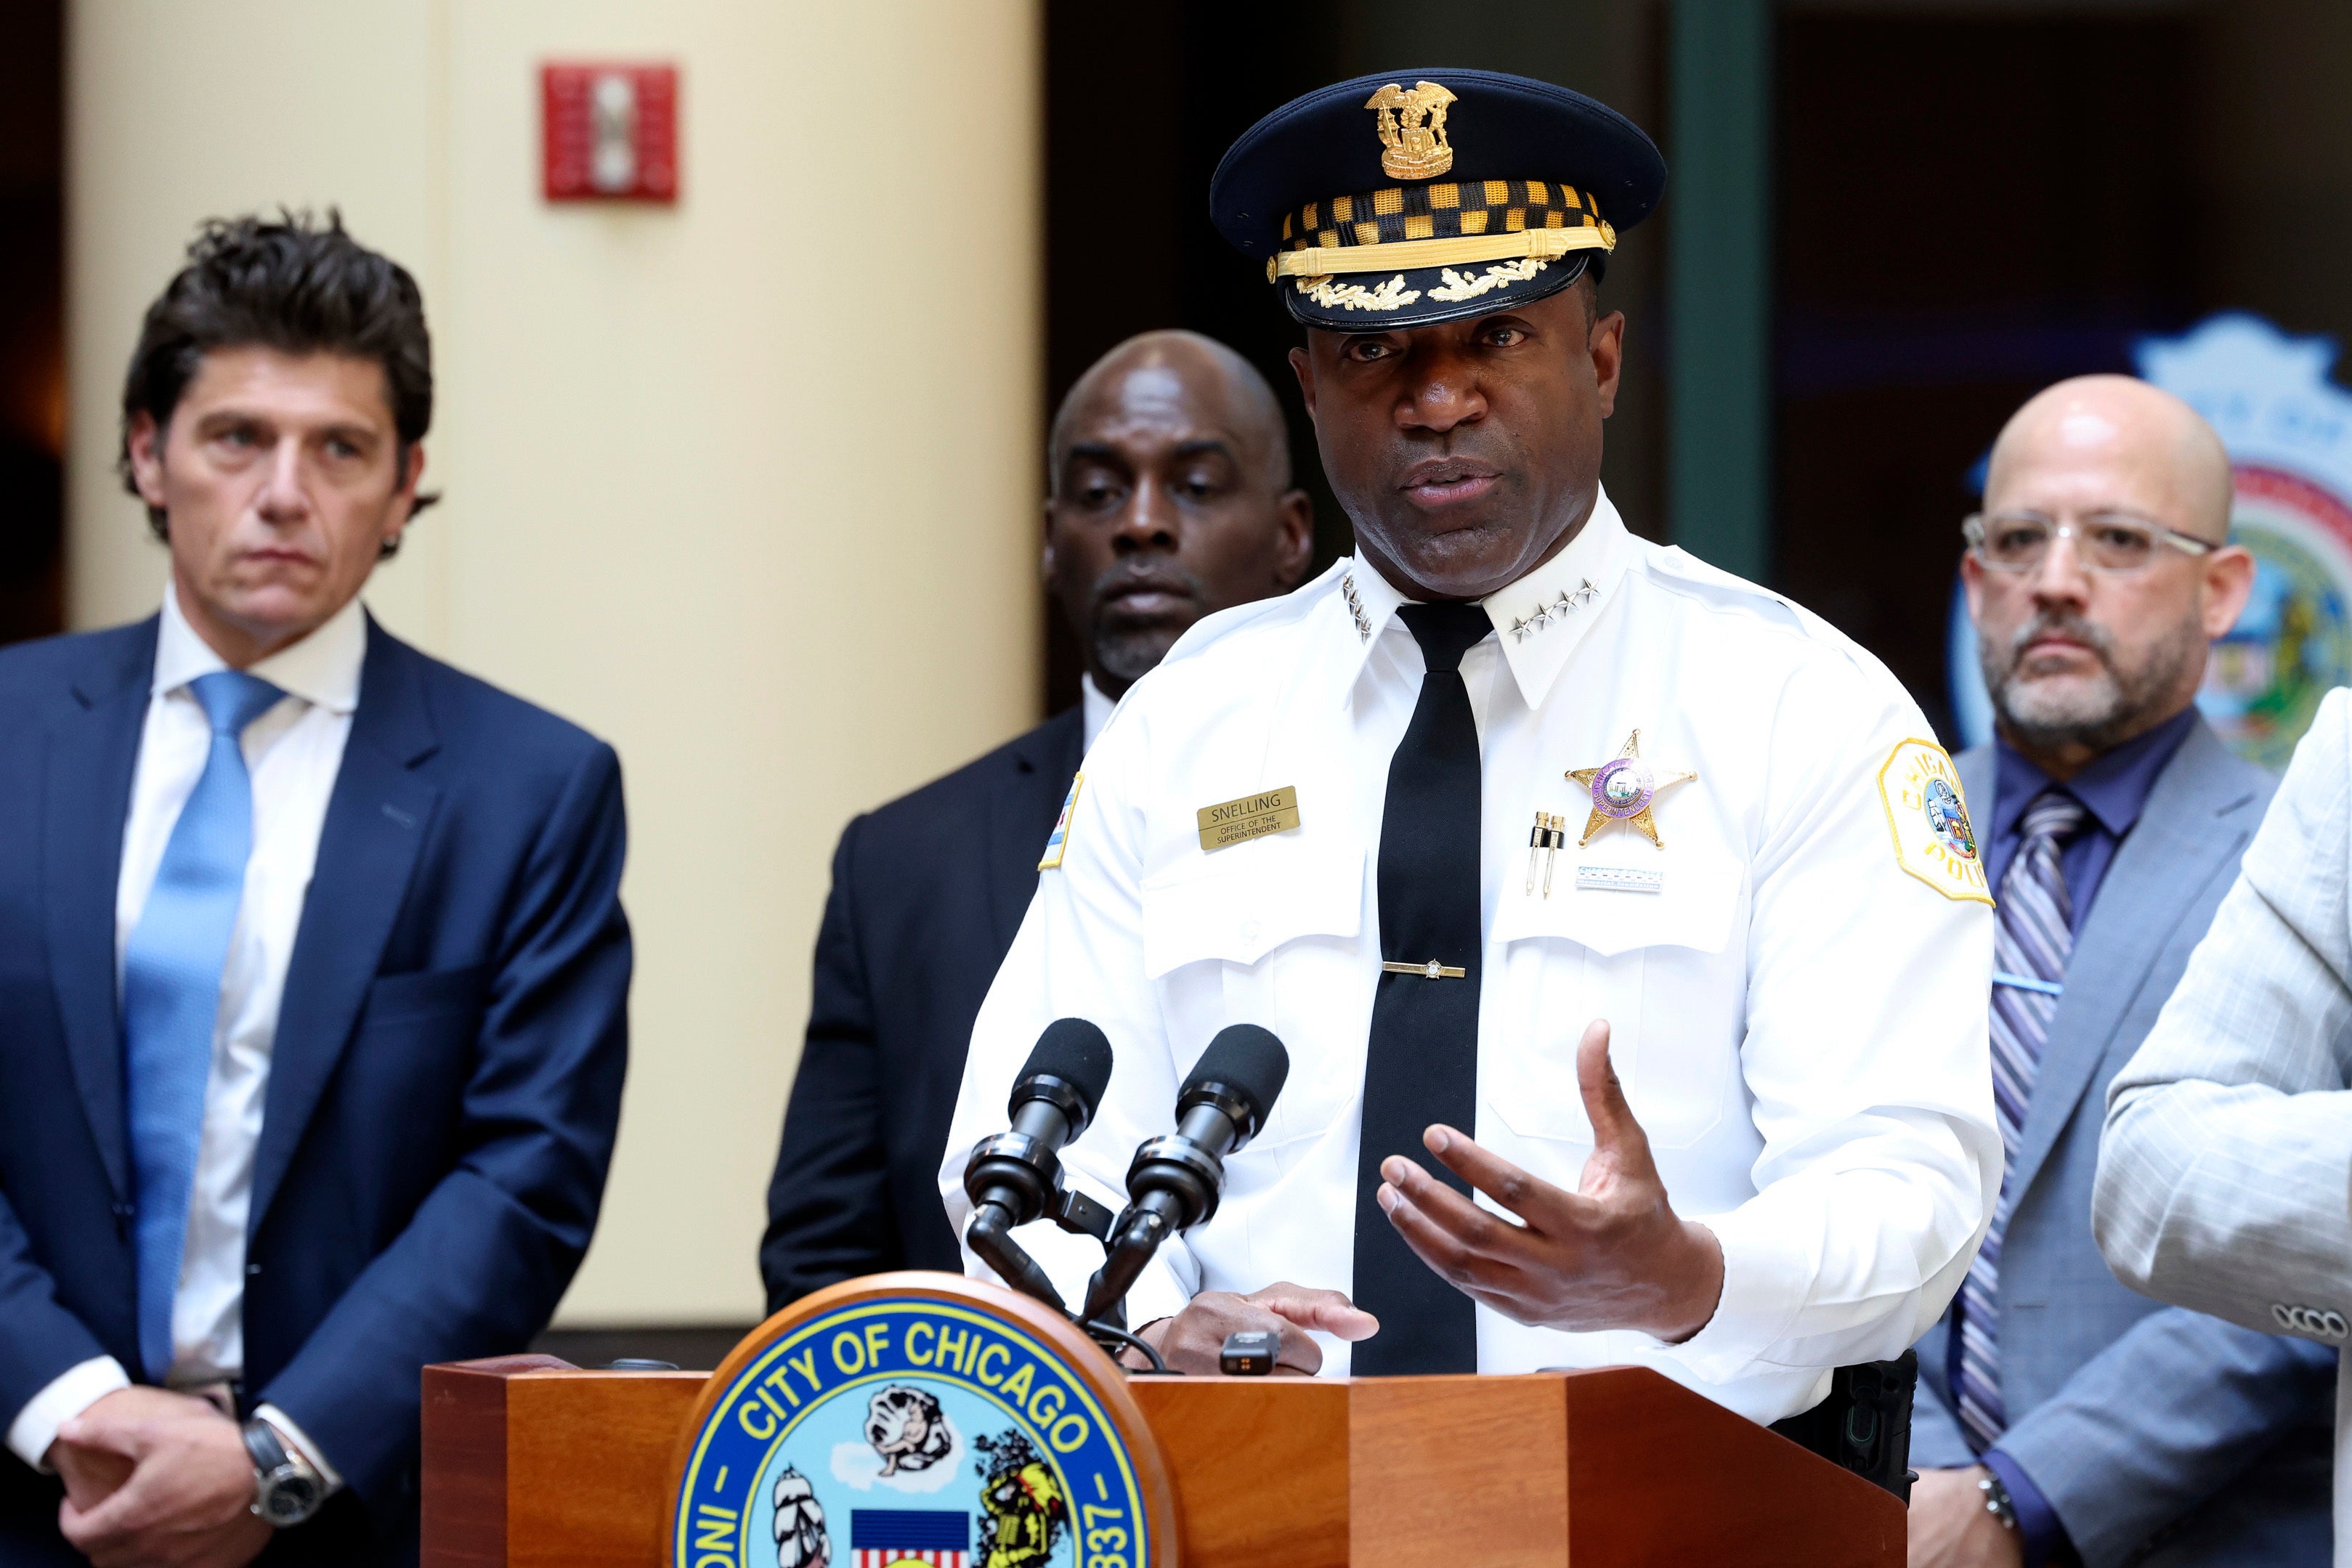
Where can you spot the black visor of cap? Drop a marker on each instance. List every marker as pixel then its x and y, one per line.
pixel 1459 158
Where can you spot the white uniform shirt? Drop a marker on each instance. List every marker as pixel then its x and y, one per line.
pixel 292 753
pixel 1799 1022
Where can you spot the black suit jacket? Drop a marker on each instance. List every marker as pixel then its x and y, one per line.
pixel 927 893
pixel 443 1090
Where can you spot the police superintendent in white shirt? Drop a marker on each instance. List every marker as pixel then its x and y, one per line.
pixel 1773 1151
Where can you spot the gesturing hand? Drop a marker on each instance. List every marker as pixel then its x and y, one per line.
pixel 188 1501
pixel 1609 1255
pixel 1190 1341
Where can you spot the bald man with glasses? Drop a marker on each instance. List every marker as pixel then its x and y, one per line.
pixel 2061 1417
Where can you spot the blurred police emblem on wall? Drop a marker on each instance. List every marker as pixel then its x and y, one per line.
pixel 2288 430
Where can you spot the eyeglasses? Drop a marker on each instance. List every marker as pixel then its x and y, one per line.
pixel 2110 542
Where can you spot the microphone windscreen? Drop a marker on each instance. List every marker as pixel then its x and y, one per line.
pixel 1247 1060
pixel 1077 1052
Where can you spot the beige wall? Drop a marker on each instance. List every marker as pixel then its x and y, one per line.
pixel 746 486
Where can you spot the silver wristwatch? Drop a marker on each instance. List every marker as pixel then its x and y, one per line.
pixel 285 1489
pixel 1997 1502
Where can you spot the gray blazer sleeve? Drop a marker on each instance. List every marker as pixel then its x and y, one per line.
pixel 2225 1172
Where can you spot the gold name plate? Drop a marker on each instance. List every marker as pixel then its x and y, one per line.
pixel 1251 817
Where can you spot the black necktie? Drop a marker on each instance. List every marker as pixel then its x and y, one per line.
pixel 1421 1064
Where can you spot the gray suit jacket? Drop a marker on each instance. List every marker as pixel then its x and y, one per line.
pixel 2158 1434
pixel 2226 1181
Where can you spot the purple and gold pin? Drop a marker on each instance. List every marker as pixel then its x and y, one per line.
pixel 1624 789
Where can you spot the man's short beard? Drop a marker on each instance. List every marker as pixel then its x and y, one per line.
pixel 1131 653
pixel 2097 715
pixel 1127 649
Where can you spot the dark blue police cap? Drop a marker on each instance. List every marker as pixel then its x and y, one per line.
pixel 1410 197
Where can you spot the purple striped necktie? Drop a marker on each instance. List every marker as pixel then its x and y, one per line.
pixel 2032 939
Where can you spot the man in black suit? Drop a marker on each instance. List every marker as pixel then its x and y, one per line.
pixel 1171 499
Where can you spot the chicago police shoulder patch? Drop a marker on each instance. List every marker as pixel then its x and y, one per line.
pixel 1929 822
pixel 1052 859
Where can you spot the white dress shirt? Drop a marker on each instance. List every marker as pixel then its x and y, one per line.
pixel 1095 711
pixel 292 752
pixel 1799 1022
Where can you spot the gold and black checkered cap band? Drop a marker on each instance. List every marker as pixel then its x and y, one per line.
pixel 1438 223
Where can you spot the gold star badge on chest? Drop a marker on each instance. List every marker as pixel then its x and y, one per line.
pixel 1622 790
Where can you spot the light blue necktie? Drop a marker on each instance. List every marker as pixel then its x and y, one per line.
pixel 171 995
pixel 2032 939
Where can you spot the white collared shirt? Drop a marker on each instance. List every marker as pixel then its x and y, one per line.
pixel 1094 711
pixel 292 752
pixel 1799 1022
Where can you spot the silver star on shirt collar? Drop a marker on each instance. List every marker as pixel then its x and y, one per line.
pixel 1356 607
pixel 1543 615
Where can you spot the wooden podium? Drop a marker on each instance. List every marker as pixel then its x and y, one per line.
pixel 528 1460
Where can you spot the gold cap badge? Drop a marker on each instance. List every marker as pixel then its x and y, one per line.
pixel 1413 130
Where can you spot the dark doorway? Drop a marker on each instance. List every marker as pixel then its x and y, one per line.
pixel 32 333
pixel 1970 208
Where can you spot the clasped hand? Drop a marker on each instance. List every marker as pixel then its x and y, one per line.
pixel 157 1479
pixel 1611 1255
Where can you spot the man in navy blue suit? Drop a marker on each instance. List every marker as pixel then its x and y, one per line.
pixel 312 967
pixel 1170 498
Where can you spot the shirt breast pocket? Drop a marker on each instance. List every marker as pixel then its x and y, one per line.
pixel 1268 939
pixel 1661 968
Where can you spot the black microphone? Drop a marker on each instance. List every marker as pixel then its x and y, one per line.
pixel 1175 1181
pixel 1015 1175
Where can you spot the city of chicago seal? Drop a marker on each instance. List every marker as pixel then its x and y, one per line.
pixel 911 1425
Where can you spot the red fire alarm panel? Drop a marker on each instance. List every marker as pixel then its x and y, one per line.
pixel 611 132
